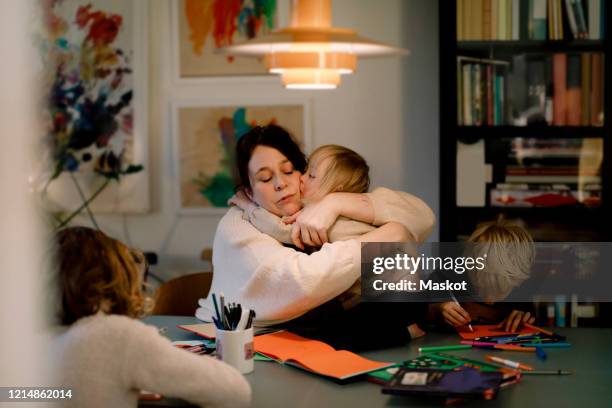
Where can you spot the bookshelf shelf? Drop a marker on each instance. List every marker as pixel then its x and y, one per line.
pixel 532 46
pixel 550 132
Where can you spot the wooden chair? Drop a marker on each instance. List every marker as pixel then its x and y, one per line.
pixel 179 296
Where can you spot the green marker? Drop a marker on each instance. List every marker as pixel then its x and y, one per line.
pixel 444 348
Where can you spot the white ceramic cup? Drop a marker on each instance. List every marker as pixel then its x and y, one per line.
pixel 235 347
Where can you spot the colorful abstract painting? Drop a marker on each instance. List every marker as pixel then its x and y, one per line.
pixel 203 26
pixel 94 125
pixel 206 137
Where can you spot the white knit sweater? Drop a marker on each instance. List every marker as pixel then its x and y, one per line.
pixel 107 359
pixel 280 283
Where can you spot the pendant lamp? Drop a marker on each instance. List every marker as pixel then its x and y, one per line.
pixel 310 53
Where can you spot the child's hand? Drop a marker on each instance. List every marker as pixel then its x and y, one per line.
pixel 241 201
pixel 454 314
pixel 296 236
pixel 290 219
pixel 314 221
pixel 514 319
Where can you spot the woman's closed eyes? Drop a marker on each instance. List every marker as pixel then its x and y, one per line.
pixel 266 175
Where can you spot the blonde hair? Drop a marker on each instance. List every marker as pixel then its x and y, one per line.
pixel 97 272
pixel 510 254
pixel 347 170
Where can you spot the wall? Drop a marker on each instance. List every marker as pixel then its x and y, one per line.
pixel 387 112
pixel 420 103
pixel 24 304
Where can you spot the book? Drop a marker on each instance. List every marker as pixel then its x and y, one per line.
pixel 529 198
pixel 524 19
pixel 486 19
pixel 464 382
pixel 495 20
pixel 315 356
pixel 572 18
pixel 536 90
pixel 516 4
pixel 580 18
pixel 560 89
pixel 460 20
pixel 539 20
pixel 501 20
pixel 574 90
pixel 594 14
pixel 467 95
pixel 509 19
pixel 477 19
pixel 206 330
pixel 585 100
pixel 519 88
pixel 597 83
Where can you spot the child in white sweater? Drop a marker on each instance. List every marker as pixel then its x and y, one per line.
pixel 106 356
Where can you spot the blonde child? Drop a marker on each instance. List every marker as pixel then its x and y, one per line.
pixel 510 254
pixel 104 354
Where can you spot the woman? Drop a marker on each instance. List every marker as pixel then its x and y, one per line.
pixel 279 282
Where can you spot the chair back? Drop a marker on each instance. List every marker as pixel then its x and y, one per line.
pixel 179 296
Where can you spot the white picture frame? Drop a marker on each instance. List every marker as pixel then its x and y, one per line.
pixel 282 20
pixel 131 195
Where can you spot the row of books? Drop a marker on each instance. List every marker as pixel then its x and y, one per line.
pixel 541 172
pixel 481 92
pixel 487 20
pixel 553 151
pixel 544 195
pixel 559 89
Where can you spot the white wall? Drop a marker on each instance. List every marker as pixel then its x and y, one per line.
pixel 387 112
pixel 23 278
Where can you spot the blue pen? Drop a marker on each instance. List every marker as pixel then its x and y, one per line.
pixel 547 345
pixel 540 353
pixel 517 338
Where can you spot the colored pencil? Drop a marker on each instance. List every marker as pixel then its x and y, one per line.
pixel 444 348
pixel 539 329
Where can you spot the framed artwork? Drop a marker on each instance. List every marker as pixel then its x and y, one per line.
pixel 94 69
pixel 204 140
pixel 201 27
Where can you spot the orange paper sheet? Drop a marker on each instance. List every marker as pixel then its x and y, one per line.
pixel 488 330
pixel 314 356
pixel 206 330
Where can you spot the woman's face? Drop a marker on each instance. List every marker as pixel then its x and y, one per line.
pixel 311 180
pixel 275 184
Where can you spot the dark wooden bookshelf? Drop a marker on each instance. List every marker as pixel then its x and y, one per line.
pixel 560 224
pixel 570 218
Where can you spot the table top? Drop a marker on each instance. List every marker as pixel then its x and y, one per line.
pixel 589 359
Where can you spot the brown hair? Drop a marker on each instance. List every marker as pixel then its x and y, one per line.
pixel 96 272
pixel 272 136
pixel 347 170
